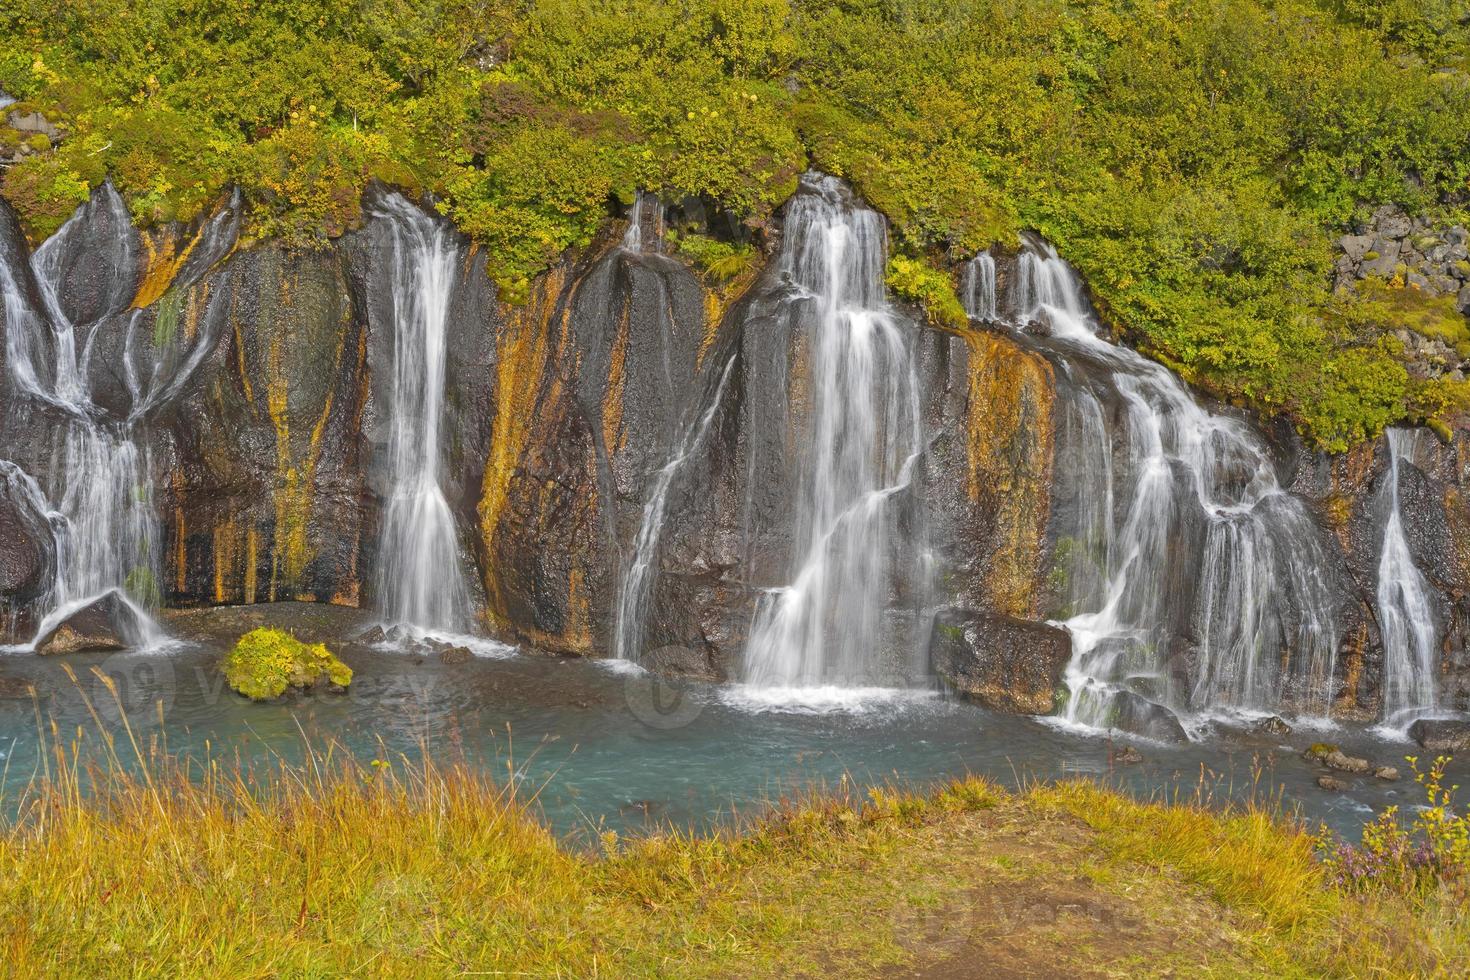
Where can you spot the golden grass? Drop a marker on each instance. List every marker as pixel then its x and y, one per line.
pixel 165 866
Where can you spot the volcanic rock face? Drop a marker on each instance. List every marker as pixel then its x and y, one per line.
pixel 256 383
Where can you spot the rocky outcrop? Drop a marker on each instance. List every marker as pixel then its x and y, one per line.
pixel 1003 663
pixel 108 623
pixel 260 381
pixel 1435 260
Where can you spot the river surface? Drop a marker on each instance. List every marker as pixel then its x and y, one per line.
pixel 611 747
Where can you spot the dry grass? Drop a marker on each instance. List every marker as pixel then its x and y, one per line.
pixel 150 865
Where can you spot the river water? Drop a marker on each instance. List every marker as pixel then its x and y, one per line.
pixel 610 746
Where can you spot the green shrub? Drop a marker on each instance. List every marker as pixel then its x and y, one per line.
pixel 917 281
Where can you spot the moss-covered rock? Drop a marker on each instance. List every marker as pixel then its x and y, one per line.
pixel 265 662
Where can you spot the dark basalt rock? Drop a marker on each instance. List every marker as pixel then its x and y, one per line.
pixel 109 623
pixel 1441 734
pixel 678 661
pixel 25 547
pixel 1128 712
pixel 1003 663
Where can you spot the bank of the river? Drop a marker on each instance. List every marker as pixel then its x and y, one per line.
pixel 395 871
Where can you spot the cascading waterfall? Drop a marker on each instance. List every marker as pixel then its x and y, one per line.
pixel 1194 579
pixel 642 572
pixel 101 490
pixel 646 210
pixel 977 282
pixel 1405 616
pixel 420 582
pixel 826 627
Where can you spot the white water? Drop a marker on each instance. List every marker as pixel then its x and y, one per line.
pixel 1192 574
pixel 826 627
pixel 977 285
pixel 100 494
pixel 420 581
pixel 648 211
pixel 1405 616
pixel 642 572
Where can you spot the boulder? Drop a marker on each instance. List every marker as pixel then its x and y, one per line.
pixel 266 663
pixel 1441 734
pixel 1386 773
pixel 111 622
pixel 1343 762
pixel 1127 755
pixel 1130 712
pixel 681 661
pixel 34 122
pixel 1274 726
pixel 450 655
pixel 22 557
pixel 1331 784
pixel 1356 246
pixel 1003 663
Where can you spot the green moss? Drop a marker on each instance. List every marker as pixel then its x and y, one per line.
pixel 915 280
pixel 265 662
pixel 1320 750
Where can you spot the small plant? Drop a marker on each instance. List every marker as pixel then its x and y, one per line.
pixel 720 261
pixel 1433 849
pixel 919 282
pixel 265 662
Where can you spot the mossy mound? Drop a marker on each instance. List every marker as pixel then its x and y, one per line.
pixel 265 662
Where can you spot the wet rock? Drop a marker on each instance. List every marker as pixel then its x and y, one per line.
pixel 1343 762
pixel 1129 712
pixel 34 122
pixel 1003 663
pixel 1319 751
pixel 451 655
pixel 1441 734
pixel 1386 773
pixel 108 623
pixel 1127 755
pixel 1331 784
pixel 680 661
pixel 1274 726
pixel 23 556
pixel 373 636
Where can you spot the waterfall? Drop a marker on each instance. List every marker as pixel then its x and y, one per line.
pixel 862 442
pixel 100 489
pixel 1405 615
pixel 977 283
pixel 646 209
pixel 1193 579
pixel 420 582
pixel 642 572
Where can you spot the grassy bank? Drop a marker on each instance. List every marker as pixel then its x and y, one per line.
pixel 395 868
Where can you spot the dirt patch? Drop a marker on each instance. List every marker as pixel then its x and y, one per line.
pixel 1039 905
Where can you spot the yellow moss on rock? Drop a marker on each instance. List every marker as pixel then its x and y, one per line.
pixel 266 662
pixel 1009 453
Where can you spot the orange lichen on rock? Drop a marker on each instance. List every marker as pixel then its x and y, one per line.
pixel 1009 451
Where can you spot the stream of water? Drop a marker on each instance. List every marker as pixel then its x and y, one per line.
pixel 420 580
pixel 825 629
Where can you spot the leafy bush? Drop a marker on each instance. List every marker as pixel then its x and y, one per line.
pixel 1195 159
pixel 919 282
pixel 1432 850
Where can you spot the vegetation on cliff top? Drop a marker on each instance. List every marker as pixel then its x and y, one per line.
pixel 1195 158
